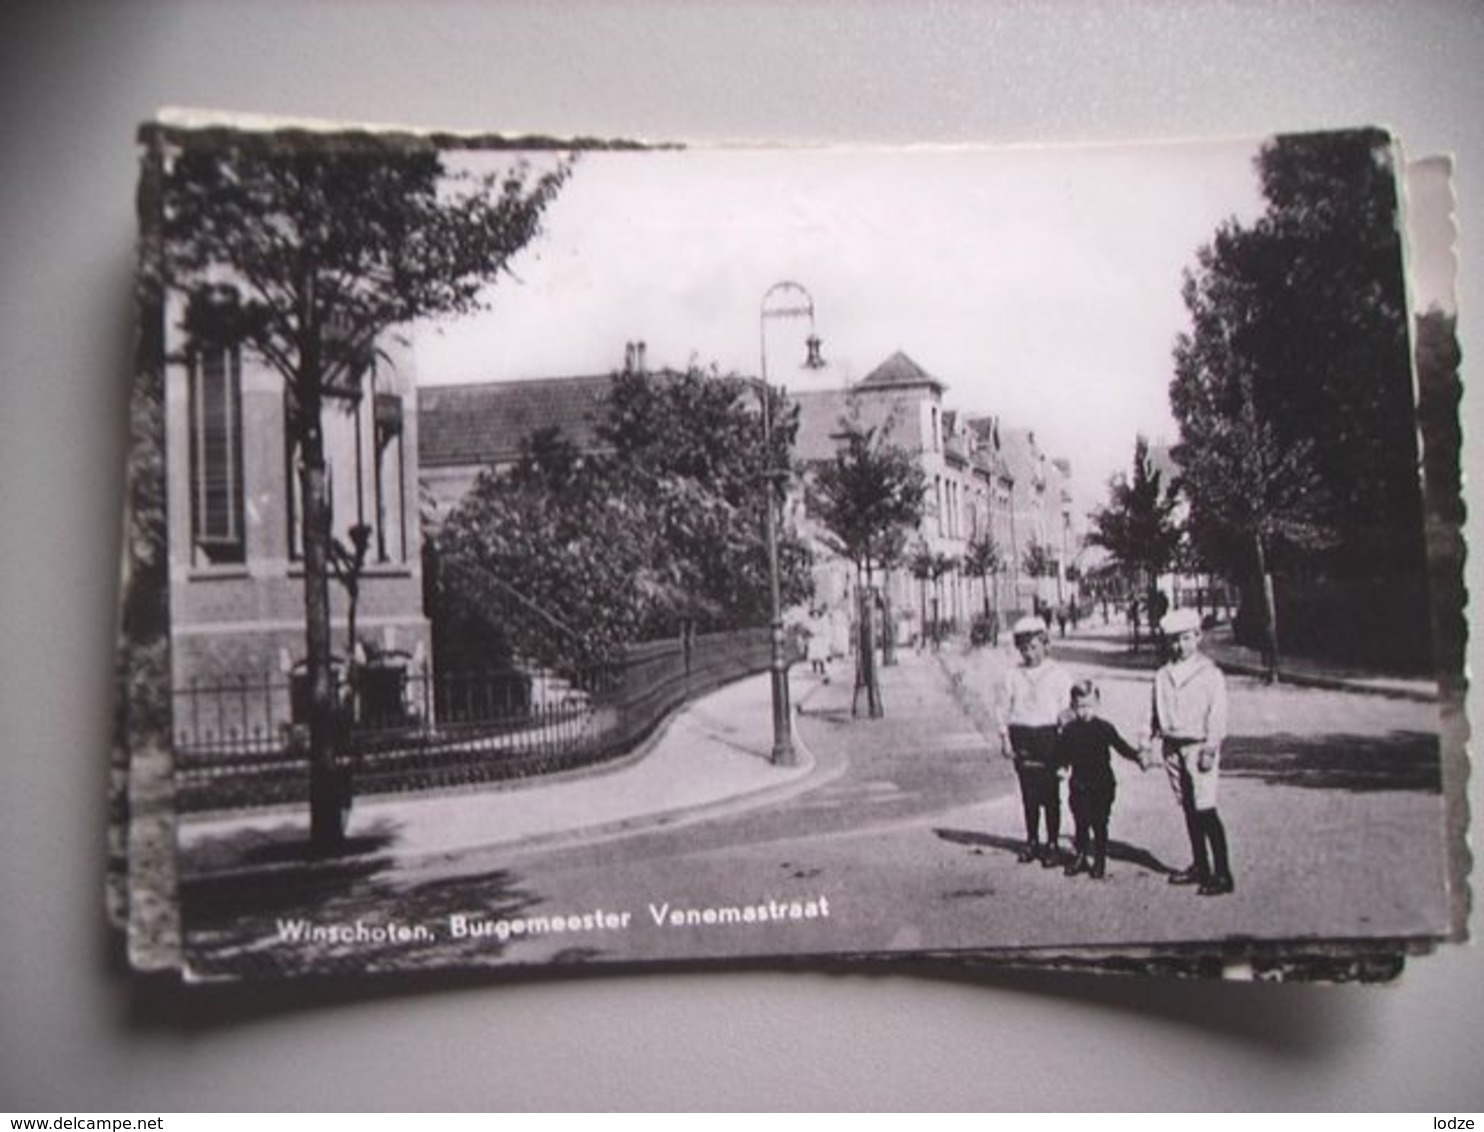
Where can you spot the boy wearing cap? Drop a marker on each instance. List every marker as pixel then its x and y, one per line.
pixel 1033 701
pixel 1189 722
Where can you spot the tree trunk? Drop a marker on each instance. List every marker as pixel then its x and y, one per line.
pixel 888 637
pixel 866 679
pixel 329 793
pixel 352 604
pixel 922 620
pixel 870 678
pixel 1269 614
pixel 938 605
pixel 994 613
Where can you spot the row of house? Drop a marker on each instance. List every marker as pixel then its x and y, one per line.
pixel 983 478
pixel 399 454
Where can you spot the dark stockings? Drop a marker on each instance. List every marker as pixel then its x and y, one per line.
pixel 1040 792
pixel 1092 843
pixel 1205 830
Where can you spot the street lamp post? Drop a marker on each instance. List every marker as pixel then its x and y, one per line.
pixel 782 300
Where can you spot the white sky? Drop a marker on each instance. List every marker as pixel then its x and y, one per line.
pixel 1042 284
pixel 1431 234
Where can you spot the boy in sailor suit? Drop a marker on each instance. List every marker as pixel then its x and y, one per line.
pixel 1189 723
pixel 1033 703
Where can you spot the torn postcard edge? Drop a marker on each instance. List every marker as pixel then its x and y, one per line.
pixel 1432 277
pixel 631 287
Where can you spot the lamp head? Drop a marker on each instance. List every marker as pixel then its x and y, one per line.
pixel 813 360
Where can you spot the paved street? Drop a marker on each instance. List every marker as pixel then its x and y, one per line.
pixel 893 833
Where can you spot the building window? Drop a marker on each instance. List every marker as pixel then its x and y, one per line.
pixel 364 466
pixel 340 431
pixel 216 454
pixel 293 479
pixel 391 497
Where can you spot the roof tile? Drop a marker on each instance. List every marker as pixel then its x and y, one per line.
pixel 486 423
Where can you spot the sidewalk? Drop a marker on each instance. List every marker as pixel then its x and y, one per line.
pixel 924 711
pixel 1232 657
pixel 1237 659
pixel 1323 846
pixel 711 756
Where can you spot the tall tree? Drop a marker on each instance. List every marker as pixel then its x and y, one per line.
pixel 564 563
pixel 323 244
pixel 1332 340
pixel 866 497
pixel 891 557
pixel 1138 526
pixel 929 568
pixel 1250 490
pixel 688 448
pixel 1438 393
pixel 662 529
pixel 984 560
pixel 1039 560
pixel 1293 388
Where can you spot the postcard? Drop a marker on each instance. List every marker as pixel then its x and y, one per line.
pixel 549 553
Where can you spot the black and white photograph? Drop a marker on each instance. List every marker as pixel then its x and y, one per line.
pixel 396 400
pixel 549 553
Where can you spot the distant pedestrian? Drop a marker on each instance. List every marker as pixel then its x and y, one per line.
pixel 1189 721
pixel 1085 745
pixel 1159 605
pixel 818 647
pixel 1061 620
pixel 1032 702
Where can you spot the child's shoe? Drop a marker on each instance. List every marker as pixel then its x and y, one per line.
pixel 1219 886
pixel 1099 869
pixel 1028 853
pixel 1077 865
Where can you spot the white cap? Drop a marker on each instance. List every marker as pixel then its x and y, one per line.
pixel 1180 621
pixel 1028 625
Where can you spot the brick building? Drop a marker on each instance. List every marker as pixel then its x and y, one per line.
pixel 235 511
pixel 980 478
pixel 243 601
pixel 467 429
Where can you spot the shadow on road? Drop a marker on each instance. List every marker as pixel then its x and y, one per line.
pixel 828 715
pixel 1117 850
pixel 1400 760
pixel 271 908
pixel 1145 660
pixel 286 844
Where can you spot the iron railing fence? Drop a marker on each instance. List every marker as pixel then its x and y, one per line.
pixel 244 742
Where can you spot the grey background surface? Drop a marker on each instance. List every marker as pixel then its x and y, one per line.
pixel 75 79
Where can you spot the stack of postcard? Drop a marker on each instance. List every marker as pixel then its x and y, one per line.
pixel 547 552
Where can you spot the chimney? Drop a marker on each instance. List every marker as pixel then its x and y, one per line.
pixel 639 363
